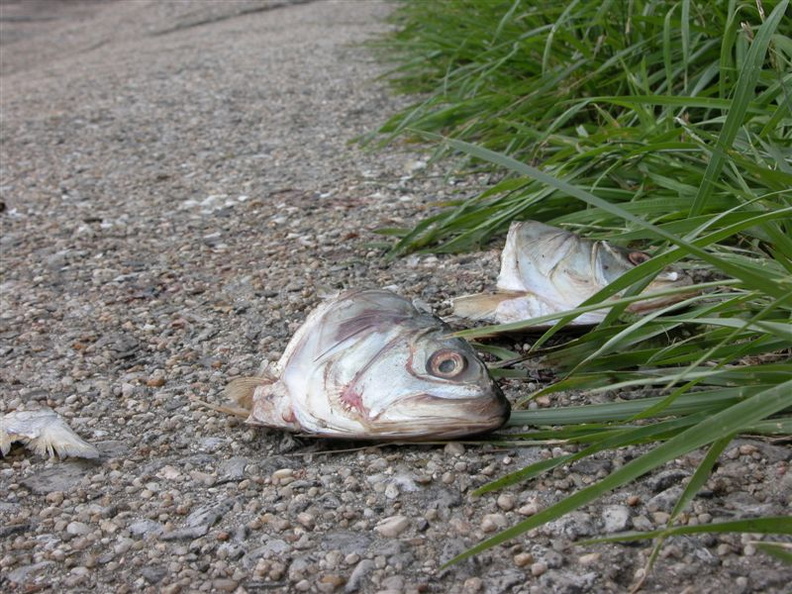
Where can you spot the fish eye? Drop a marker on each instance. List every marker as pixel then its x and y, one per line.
pixel 446 363
pixel 637 257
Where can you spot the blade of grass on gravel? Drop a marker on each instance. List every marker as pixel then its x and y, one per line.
pixel 693 486
pixel 765 525
pixel 616 437
pixel 718 426
pixel 779 550
pixel 628 409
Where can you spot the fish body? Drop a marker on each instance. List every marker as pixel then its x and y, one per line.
pixel 546 270
pixel 44 432
pixel 368 365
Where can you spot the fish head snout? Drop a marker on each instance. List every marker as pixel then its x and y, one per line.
pixel 438 415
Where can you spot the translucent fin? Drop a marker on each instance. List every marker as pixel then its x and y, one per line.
pixel 241 390
pixel 482 306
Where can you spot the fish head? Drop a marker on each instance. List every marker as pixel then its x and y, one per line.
pixel 369 365
pixel 444 391
pixel 563 269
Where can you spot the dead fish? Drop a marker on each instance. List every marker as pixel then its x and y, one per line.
pixel 546 270
pixel 369 365
pixel 44 432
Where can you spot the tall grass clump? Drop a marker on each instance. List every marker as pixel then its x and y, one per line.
pixel 663 124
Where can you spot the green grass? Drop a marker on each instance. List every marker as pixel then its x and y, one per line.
pixel 666 125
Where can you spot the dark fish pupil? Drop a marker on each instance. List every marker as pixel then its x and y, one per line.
pixel 447 366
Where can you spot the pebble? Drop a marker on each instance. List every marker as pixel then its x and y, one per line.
pixel 78 529
pixel 538 568
pixel 615 518
pixel 523 559
pixel 493 522
pixel 392 526
pixel 225 585
pixel 529 509
pixel 506 501
pixel 361 571
pixel 454 448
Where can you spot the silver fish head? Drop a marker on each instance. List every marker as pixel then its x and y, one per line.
pixel 546 270
pixel 565 269
pixel 369 365
pixel 444 390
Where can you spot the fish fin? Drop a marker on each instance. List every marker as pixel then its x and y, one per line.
pixel 58 438
pixel 481 306
pixel 241 389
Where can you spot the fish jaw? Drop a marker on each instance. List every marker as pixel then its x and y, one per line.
pixel 664 281
pixel 425 416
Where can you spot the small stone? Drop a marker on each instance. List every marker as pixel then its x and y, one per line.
pixel 55 497
pixel 307 520
pixel 589 558
pixel 225 585
pixel 506 501
pixel 454 448
pixel 392 526
pixel 523 559
pixel 660 518
pixel 493 522
pixel 362 569
pixel 642 523
pixel 473 584
pixel 333 580
pixel 529 509
pixel 78 529
pixel 616 518
pixel 156 381
pixel 538 569
pixel 283 476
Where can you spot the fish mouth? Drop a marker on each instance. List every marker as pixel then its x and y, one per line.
pixel 424 416
pixel 666 280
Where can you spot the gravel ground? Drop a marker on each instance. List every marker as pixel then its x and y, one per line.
pixel 178 188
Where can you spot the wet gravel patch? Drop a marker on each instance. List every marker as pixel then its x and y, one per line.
pixel 179 188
